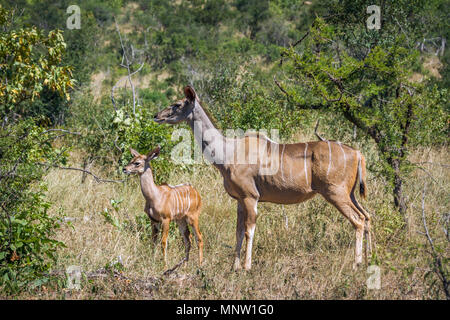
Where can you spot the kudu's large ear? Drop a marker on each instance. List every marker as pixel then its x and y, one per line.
pixel 190 94
pixel 153 154
pixel 134 152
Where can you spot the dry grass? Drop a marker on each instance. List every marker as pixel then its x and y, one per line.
pixel 302 251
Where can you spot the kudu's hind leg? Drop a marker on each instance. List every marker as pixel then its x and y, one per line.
pixel 367 227
pixel 155 231
pixel 184 230
pixel 199 238
pixel 343 203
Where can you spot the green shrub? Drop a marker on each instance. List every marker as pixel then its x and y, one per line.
pixel 140 132
pixel 27 247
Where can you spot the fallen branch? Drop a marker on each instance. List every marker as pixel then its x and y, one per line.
pixel 169 271
pixel 147 284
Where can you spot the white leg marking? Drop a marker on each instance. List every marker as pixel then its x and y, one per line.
pixel 248 257
pixel 329 161
pixel 306 171
pixel 345 157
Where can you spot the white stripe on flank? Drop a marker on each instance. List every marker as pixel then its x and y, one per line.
pixel 281 167
pixel 306 172
pixel 181 201
pixel 345 157
pixel 177 210
pixel 172 208
pixel 329 161
pixel 185 199
pixel 189 199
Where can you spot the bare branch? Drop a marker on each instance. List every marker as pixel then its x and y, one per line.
pixel 433 163
pixel 310 107
pixel 62 130
pixel 424 220
pixel 315 131
pixel 82 170
pixel 437 261
pixel 293 45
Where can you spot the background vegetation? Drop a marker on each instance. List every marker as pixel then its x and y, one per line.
pixel 69 113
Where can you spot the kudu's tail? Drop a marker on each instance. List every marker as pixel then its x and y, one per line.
pixel 362 175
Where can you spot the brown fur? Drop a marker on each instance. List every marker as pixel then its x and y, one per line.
pixel 328 168
pixel 166 203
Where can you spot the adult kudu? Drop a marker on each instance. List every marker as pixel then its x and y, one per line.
pixel 302 170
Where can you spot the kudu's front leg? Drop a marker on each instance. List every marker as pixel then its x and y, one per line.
pixel 246 224
pixel 165 234
pixel 250 225
pixel 155 231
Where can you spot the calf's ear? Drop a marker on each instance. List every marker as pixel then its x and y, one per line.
pixel 134 152
pixel 154 153
pixel 190 94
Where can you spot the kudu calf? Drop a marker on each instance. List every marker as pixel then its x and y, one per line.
pixel 303 170
pixel 165 203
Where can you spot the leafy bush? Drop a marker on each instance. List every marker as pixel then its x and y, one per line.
pixel 140 132
pixel 30 62
pixel 27 247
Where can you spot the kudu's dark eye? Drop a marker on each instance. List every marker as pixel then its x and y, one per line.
pixel 136 163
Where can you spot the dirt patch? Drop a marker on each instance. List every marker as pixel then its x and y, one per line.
pixel 433 65
pixel 96 84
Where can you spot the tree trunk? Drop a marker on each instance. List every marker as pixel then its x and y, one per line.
pixel 399 199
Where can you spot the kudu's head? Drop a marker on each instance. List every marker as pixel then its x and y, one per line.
pixel 180 110
pixel 139 161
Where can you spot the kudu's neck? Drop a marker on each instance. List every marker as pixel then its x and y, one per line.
pixel 207 135
pixel 149 189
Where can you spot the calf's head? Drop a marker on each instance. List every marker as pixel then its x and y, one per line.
pixel 139 161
